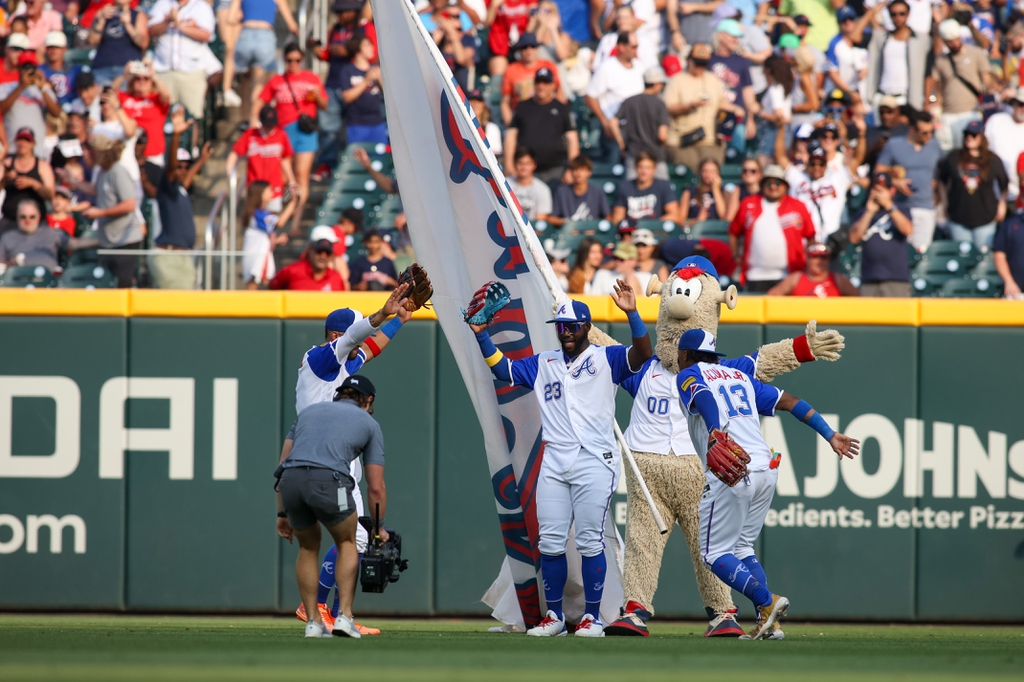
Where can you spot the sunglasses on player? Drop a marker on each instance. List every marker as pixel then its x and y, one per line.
pixel 570 327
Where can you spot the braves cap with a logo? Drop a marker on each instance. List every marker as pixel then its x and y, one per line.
pixel 572 311
pixel 699 340
pixel 543 75
pixel 357 382
pixel 691 266
pixel 340 320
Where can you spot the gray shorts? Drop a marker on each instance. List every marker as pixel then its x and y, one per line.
pixel 313 494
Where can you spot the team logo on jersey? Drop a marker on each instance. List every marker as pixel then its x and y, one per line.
pixel 587 366
pixel 690 381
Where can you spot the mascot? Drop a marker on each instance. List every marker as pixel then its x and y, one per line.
pixel 660 442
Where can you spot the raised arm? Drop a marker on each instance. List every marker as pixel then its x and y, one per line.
pixel 641 350
pixel 842 445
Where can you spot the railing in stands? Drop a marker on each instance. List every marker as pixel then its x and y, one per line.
pixel 214 224
pixel 313 24
pixel 232 210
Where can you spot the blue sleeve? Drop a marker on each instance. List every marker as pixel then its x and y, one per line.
pixel 355 364
pixel 618 360
pixel 885 157
pixel 765 397
pixel 602 207
pixel 632 382
pixel 706 406
pixel 689 383
pixel 746 364
pixel 621 196
pixel 1000 242
pixel 524 372
pixel 323 362
pixel 830 53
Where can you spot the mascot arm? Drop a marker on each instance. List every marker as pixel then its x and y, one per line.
pixel 775 359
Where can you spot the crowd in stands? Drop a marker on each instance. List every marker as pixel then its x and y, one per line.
pixel 808 147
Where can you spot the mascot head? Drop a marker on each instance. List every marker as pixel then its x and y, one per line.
pixel 691 298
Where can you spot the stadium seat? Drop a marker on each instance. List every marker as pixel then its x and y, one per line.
pixel 589 227
pixel 973 287
pixel 87 277
pixel 384 215
pixel 562 241
pixel 660 228
pixel 372 148
pixel 363 201
pixel 679 171
pixel 923 285
pixel 985 267
pixel 713 229
pixel 965 252
pixel 948 265
pixel 609 170
pixel 27 277
pixel 355 183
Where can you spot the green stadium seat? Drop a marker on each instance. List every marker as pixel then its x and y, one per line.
pixel 713 229
pixel 973 287
pixel 609 170
pixel 661 228
pixel 562 241
pixel 384 215
pixel 966 252
pixel 923 285
pixel 79 56
pixel 985 267
pixel 372 148
pixel 363 201
pixel 589 227
pixel 856 198
pixel 355 183
pixel 948 265
pixel 90 276
pixel 27 277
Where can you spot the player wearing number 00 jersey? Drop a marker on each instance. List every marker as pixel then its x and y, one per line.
pixel 575 389
pixel 715 396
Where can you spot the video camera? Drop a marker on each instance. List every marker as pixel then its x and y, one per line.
pixel 382 562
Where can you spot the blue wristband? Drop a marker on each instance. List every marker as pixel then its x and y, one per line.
pixel 637 328
pixel 486 343
pixel 817 422
pixel 392 327
pixel 801 410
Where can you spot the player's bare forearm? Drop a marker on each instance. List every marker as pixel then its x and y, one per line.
pixel 391 306
pixel 378 341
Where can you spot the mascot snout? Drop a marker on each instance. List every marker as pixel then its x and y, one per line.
pixel 680 307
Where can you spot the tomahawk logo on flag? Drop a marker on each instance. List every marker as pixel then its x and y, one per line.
pixel 467 228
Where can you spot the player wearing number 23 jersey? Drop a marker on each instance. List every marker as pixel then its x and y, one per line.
pixel 575 389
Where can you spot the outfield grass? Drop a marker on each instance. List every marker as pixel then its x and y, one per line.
pixel 256 649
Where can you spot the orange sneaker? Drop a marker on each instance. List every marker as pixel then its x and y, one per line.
pixel 363 630
pixel 325 614
pixel 300 613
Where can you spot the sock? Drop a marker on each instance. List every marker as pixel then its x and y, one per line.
pixel 555 571
pixel 594 571
pixel 735 574
pixel 756 570
pixel 326 576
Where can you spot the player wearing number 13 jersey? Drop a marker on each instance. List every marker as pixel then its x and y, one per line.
pixel 575 388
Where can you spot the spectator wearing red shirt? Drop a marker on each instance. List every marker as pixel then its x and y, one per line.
pixel 774 227
pixel 268 154
pixel 60 217
pixel 816 279
pixel 294 93
pixel 147 102
pixel 517 85
pixel 312 272
pixel 16 44
pixel 508 20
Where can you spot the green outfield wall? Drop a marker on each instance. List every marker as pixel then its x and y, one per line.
pixel 137 451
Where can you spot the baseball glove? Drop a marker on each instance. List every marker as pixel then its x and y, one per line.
pixel 726 459
pixel 420 291
pixel 487 301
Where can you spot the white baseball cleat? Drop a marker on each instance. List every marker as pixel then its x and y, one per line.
pixel 345 627
pixel 551 626
pixel 589 627
pixel 316 631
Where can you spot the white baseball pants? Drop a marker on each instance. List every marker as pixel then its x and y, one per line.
pixel 732 518
pixel 581 494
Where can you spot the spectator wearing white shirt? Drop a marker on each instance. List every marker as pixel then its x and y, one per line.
pixel 847 63
pixel 898 59
pixel 776 104
pixel 534 196
pixel 625 21
pixel 180 30
pixel 616 80
pixel 1005 135
pixel 23 102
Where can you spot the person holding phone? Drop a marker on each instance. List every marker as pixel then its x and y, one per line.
pixel 25 102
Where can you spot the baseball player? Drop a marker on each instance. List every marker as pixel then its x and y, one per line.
pixel 722 406
pixel 575 388
pixel 350 341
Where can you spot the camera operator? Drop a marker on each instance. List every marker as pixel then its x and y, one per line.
pixel 316 486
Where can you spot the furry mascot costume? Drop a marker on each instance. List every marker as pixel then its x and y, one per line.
pixel 690 299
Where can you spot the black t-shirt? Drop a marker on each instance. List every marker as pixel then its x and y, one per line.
pixel 1010 240
pixel 884 258
pixel 542 129
pixel 368 108
pixel 177 224
pixel 640 117
pixel 593 205
pixel 362 270
pixel 972 201
pixel 645 203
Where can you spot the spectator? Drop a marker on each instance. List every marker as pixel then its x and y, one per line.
pixel 806 104
pixel 268 156
pixel 534 196
pixel 706 201
pixel 692 134
pixel 689 22
pixel 117 219
pixel 891 124
pixel 331 234
pixel 546 24
pixel 24 102
pixel 625 21
pixel 373 271
pixel 581 200
pixel 26 178
pixel 545 126
pixel 646 197
pixel 40 21
pixel 589 257
pixel 754 45
pixel 361 92
pixel 388 184
pixel 883 227
pixel 118 126
pixel 847 62
pixel 776 104
pixel 120 35
pixel 492 132
pixel 958 80
pixel 819 63
pixel 87 102
pixel 69 164
pixel 815 280
pixel 457 47
pixel 61 218
pixel 559 259
pixel 1005 133
pixel 750 184
pixel 615 81
pixel 255 46
pixel 177 222
pixel 147 102
pixel 734 72
pixel 623 268
pixel 296 94
pixel 181 30
pixel 312 272
pixel 970 176
pixel 774 227
pixel 641 124
pixel 830 133
pixel 508 20
pixel 1007 254
pixel 647 265
pixel 518 82
pixel 897 65
pixel 59 73
pixel 575 71
pixel 260 236
pixel 17 43
pixel 919 20
pixel 37 244
pixel 821 19
pixel 910 164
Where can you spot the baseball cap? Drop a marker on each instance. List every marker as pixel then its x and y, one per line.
pixel 100 142
pixel 699 340
pixel 347 5
pixel 627 225
pixel 322 245
pixel 559 254
pixel 816 249
pixel 774 172
pixel 64 191
pixel 949 29
pixel 670 63
pixel 357 382
pixel 654 75
pixel 723 11
pixel 804 132
pixel 268 116
pixel 644 236
pixel 56 39
pixel 25 133
pixel 789 41
pixel 183 155
pixel 888 102
pixel 827 128
pixel 70 147
pixel 475 95
pixel 528 39
pixel 1019 95
pixel 571 311
pixel 624 251
pixel 700 51
pixel 341 319
pixel 543 75
pixel 18 41
pixel 845 13
pixel 730 26
pixel 691 266
pixel 28 57
pixel 322 232
pixel 802 20
pixel 882 178
pixel 975 128
pixel 84 80
pixel 837 95
pixel 816 150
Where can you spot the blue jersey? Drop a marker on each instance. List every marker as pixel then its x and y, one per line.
pixel 325 367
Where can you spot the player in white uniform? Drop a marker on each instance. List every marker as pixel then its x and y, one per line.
pixel 575 388
pixel 718 397
pixel 351 341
